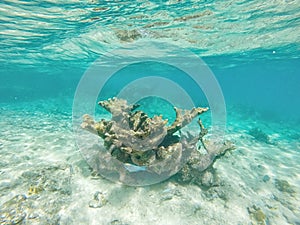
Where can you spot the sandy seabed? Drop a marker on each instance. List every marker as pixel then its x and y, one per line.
pixel 45 180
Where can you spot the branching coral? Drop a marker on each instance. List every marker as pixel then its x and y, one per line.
pixel 134 138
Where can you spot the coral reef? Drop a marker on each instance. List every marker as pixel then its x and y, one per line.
pixel 260 136
pixel 198 169
pixel 138 140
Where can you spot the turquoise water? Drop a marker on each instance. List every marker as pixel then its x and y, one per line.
pixel 251 47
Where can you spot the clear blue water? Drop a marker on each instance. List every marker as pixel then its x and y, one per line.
pixel 252 48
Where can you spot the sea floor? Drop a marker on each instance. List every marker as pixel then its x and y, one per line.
pixel 45 180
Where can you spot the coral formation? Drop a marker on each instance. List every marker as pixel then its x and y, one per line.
pixel 284 186
pixel 259 135
pixel 98 201
pixel 33 190
pixel 198 169
pixel 11 212
pixel 138 140
pixel 49 190
pixel 257 215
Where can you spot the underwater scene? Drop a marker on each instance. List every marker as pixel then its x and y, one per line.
pixel 171 112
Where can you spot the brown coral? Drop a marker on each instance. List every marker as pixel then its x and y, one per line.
pixel 134 138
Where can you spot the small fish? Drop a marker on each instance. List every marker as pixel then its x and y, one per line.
pixel 133 168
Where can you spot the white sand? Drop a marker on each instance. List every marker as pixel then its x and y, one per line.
pixel 33 141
